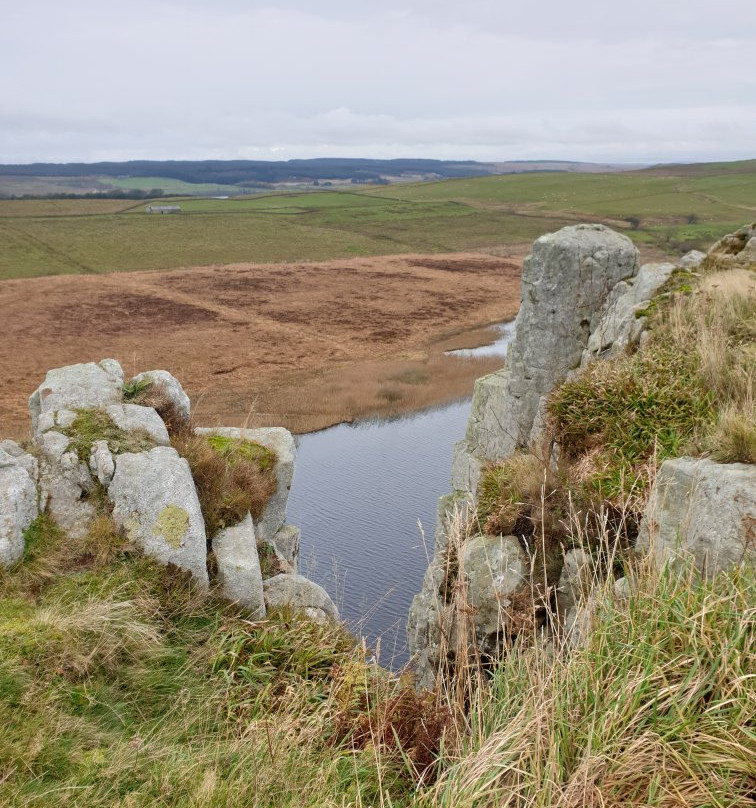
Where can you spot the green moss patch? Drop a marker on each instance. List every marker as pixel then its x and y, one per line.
pixel 240 450
pixel 95 424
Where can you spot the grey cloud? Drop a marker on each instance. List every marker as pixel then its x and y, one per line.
pixel 186 79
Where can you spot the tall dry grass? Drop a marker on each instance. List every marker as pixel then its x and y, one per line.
pixel 385 389
pixel 655 709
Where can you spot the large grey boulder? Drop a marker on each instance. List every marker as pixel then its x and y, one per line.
pixel 65 484
pixel 701 509
pixel 692 259
pixel 155 503
pixel 565 282
pixel 494 569
pixel 619 323
pixel 19 507
pixel 736 249
pixel 170 386
pixel 93 384
pixel 300 593
pixel 133 418
pixel 239 576
pixel 281 442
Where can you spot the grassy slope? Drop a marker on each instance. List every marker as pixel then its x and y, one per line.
pixel 675 212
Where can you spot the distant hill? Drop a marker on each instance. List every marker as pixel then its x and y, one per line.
pixel 139 178
pixel 701 169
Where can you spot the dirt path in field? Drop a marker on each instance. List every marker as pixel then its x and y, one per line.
pixel 303 344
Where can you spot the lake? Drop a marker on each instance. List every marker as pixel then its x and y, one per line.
pixel 361 493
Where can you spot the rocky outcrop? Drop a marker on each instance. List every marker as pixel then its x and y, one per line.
pixel 155 503
pixel 580 264
pixel 620 323
pixel 19 505
pixel 301 594
pixel 133 418
pixel 281 442
pixel 581 290
pixel 583 299
pixel 239 575
pixel 736 249
pixel 286 545
pixel 701 509
pixel 494 568
pixel 97 455
pixel 65 483
pixel 94 384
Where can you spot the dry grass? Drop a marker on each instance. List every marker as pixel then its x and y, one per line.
pixel 720 323
pixel 228 487
pixel 654 710
pixel 366 390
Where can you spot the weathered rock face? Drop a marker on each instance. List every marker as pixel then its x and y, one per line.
pixel 239 575
pixel 565 283
pixel 299 593
pixel 65 484
pixel 18 507
pixel 286 545
pixel 155 502
pixel 736 249
pixel 171 386
pixel 280 441
pixel 152 491
pixel 94 384
pixel 575 581
pixel 495 569
pixel 619 324
pixel 704 509
pixel 133 418
pixel 576 283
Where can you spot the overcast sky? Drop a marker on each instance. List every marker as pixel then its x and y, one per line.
pixel 632 81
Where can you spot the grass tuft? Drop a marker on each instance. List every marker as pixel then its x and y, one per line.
pixel 233 477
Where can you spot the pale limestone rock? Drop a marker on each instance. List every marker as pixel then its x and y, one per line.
pixel 286 545
pixel 703 509
pixel 495 569
pixel 18 507
pixel 622 589
pixel 299 593
pixel 579 621
pixel 619 325
pixel 737 249
pixel 565 282
pixel 23 458
pixel 239 575
pixel 65 484
pixel 93 384
pixel 692 259
pixel 101 462
pixel 281 442
pixel 155 503
pixel 172 387
pixel 133 418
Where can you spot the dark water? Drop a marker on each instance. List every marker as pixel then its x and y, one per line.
pixel 359 494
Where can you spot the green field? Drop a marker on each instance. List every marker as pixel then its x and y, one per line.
pixel 676 212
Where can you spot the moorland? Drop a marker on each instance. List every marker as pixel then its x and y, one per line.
pixel 277 304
